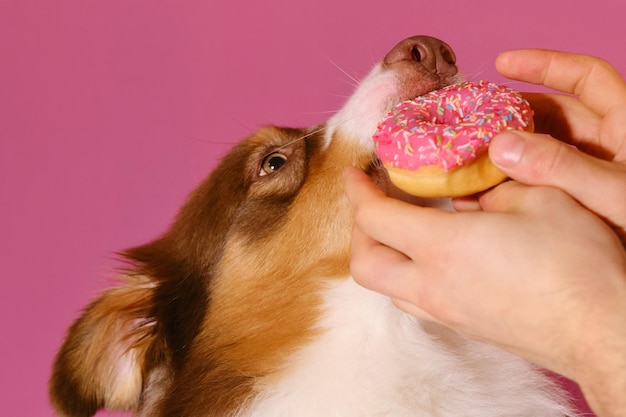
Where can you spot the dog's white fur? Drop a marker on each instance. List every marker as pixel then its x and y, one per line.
pixel 390 364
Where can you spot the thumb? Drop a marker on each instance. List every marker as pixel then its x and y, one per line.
pixel 535 159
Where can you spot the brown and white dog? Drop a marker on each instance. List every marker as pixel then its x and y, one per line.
pixel 246 307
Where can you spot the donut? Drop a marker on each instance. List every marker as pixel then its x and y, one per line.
pixel 436 145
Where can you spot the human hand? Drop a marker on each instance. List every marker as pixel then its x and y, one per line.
pixel 516 274
pixel 594 121
pixel 532 270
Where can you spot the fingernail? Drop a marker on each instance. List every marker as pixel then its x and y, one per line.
pixel 506 149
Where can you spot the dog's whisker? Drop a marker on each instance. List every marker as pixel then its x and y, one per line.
pixel 342 96
pixel 314 132
pixel 320 112
pixel 478 73
pixel 213 142
pixel 512 82
pixel 356 82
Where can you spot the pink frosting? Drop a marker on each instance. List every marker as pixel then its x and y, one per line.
pixel 449 127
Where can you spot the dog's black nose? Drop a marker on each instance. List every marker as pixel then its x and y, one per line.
pixel 434 55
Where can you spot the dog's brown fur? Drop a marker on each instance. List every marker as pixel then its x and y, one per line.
pixel 164 317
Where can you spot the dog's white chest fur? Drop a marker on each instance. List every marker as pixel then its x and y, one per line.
pixel 373 360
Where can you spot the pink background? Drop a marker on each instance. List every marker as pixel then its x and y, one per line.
pixel 111 111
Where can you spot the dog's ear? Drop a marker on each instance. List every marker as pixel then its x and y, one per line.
pixel 107 352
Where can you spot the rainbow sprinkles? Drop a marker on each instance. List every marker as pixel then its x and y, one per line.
pixel 449 127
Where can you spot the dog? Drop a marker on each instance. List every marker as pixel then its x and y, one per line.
pixel 245 306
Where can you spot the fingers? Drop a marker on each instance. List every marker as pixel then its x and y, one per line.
pixel 398 248
pixel 613 133
pixel 380 268
pixel 389 236
pixel 593 80
pixel 401 226
pixel 566 118
pixel 414 310
pixel 375 265
pixel 468 203
pixel 594 122
pixel 540 160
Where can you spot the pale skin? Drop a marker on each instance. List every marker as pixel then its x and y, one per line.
pixel 536 265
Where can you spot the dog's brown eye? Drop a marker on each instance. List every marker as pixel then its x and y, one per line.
pixel 272 163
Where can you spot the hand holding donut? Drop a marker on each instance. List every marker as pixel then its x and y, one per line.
pixel 595 122
pixel 534 271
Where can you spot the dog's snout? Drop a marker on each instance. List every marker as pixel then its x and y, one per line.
pixel 433 55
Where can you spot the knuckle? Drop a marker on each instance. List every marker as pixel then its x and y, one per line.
pixel 546 196
pixel 602 66
pixel 501 197
pixel 546 163
pixel 616 187
pixel 360 270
